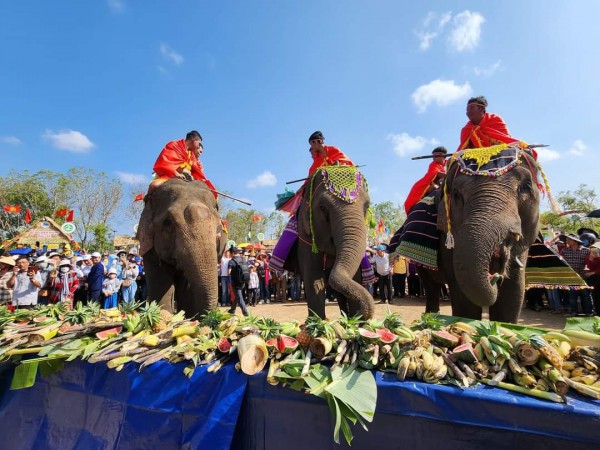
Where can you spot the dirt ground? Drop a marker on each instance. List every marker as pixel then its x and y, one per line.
pixel 410 309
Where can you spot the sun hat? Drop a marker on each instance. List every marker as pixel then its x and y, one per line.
pixel 64 262
pixel 9 261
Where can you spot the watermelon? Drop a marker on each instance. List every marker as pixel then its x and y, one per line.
pixel 368 336
pixel 107 334
pixel 465 353
pixel 272 343
pixel 224 345
pixel 286 344
pixel 40 319
pixel 386 336
pixel 444 338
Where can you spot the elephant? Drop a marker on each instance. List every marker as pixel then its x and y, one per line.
pixel 340 235
pixel 494 221
pixel 180 239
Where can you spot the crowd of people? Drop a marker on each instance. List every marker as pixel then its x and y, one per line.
pixel 43 278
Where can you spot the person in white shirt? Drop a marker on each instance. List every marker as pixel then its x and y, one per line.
pixel 25 282
pixel 224 275
pixel 383 271
pixel 253 285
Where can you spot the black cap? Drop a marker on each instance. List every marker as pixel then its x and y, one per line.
pixel 193 135
pixel 234 250
pixel 440 150
pixel 316 135
pixel 587 230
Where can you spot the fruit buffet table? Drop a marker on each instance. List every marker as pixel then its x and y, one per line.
pixel 89 406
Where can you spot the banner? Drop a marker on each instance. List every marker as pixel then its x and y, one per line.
pixel 61 212
pixel 138 198
pixel 12 209
pixel 70 216
pixel 27 216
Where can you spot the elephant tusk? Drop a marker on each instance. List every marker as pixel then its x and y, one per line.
pixel 495 278
pixel 518 261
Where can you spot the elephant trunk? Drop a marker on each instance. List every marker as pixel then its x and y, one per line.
pixel 197 261
pixel 350 241
pixel 482 255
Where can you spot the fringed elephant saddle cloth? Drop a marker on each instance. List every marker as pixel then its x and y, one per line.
pixel 343 182
pixel 547 269
pixel 492 161
pixel 418 239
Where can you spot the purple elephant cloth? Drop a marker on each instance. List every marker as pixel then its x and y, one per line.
pixel 288 239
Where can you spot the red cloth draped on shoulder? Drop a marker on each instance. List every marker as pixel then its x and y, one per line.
pixel 491 131
pixel 174 158
pixel 333 155
pixel 420 188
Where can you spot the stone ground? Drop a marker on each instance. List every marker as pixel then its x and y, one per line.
pixel 410 309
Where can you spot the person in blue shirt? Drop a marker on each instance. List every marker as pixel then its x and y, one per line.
pixel 95 278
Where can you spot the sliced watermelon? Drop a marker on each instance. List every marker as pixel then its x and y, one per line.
pixel 444 338
pixel 224 345
pixel 465 353
pixel 368 336
pixel 107 334
pixel 286 344
pixel 386 336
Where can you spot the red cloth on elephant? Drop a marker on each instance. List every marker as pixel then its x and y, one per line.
pixel 491 131
pixel 174 158
pixel 420 188
pixel 333 155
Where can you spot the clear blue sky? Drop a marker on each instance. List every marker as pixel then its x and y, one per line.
pixel 107 83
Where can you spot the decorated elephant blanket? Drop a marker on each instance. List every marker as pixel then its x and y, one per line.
pixel 418 239
pixel 547 269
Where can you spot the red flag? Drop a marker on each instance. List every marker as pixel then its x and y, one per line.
pixel 256 218
pixel 380 226
pixel 61 212
pixel 12 209
pixel 70 216
pixel 138 198
pixel 27 216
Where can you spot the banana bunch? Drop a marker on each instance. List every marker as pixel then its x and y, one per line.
pixel 422 364
pixel 131 322
pixel 582 366
pixel 405 335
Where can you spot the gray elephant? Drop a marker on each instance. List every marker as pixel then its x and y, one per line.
pixel 180 240
pixel 494 220
pixel 334 225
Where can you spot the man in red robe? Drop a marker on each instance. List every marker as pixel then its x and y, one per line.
pixel 435 173
pixel 483 129
pixel 322 155
pixel 181 159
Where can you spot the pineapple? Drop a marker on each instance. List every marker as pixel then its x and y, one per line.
pixel 79 315
pixel 392 320
pixel 269 328
pixel 304 339
pixel 205 331
pixel 213 318
pixel 163 323
pixel 314 327
pixel 150 316
pixel 129 307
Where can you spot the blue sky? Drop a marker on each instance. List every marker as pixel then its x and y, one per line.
pixel 107 83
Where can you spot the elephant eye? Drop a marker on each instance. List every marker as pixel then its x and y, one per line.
pixel 525 188
pixel 168 222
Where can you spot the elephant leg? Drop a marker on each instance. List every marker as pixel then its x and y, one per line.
pixel 159 281
pixel 510 298
pixel 313 275
pixel 433 289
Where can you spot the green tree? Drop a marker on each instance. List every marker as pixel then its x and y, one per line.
pixel 391 214
pixel 240 223
pixel 575 205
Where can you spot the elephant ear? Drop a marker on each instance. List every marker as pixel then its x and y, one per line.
pixel 145 232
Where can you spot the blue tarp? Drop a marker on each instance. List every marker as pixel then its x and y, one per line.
pixel 89 406
pixel 20 251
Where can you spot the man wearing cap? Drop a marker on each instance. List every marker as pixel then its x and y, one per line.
pixel 483 129
pixel 575 255
pixel 25 283
pixel 431 181
pixel 82 272
pixel 44 268
pixel 383 271
pixel 6 293
pixel 62 284
pixel 180 159
pixel 238 285
pixel 95 278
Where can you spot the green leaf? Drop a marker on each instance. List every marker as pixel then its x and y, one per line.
pixel 358 390
pixel 337 417
pixel 589 324
pixel 51 366
pixel 24 376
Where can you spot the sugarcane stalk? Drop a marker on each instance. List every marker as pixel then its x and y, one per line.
pixel 532 392
pixel 499 376
pixel 149 352
pixel 457 373
pixel 24 351
pixel 154 358
pixel 132 352
pixel 583 389
pixel 218 364
pixel 11 346
pixel 64 337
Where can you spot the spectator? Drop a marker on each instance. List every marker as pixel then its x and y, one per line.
pixel 237 280
pixel 592 274
pixel 82 272
pixel 95 278
pixel 575 255
pixel 44 270
pixel 25 282
pixel 295 286
pixel 141 292
pixel 224 276
pixel 53 260
pixel 383 271
pixel 6 265
pixel 399 268
pixel 129 273
pixel 110 289
pixel 62 283
pixel 414 284
pixel 253 286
